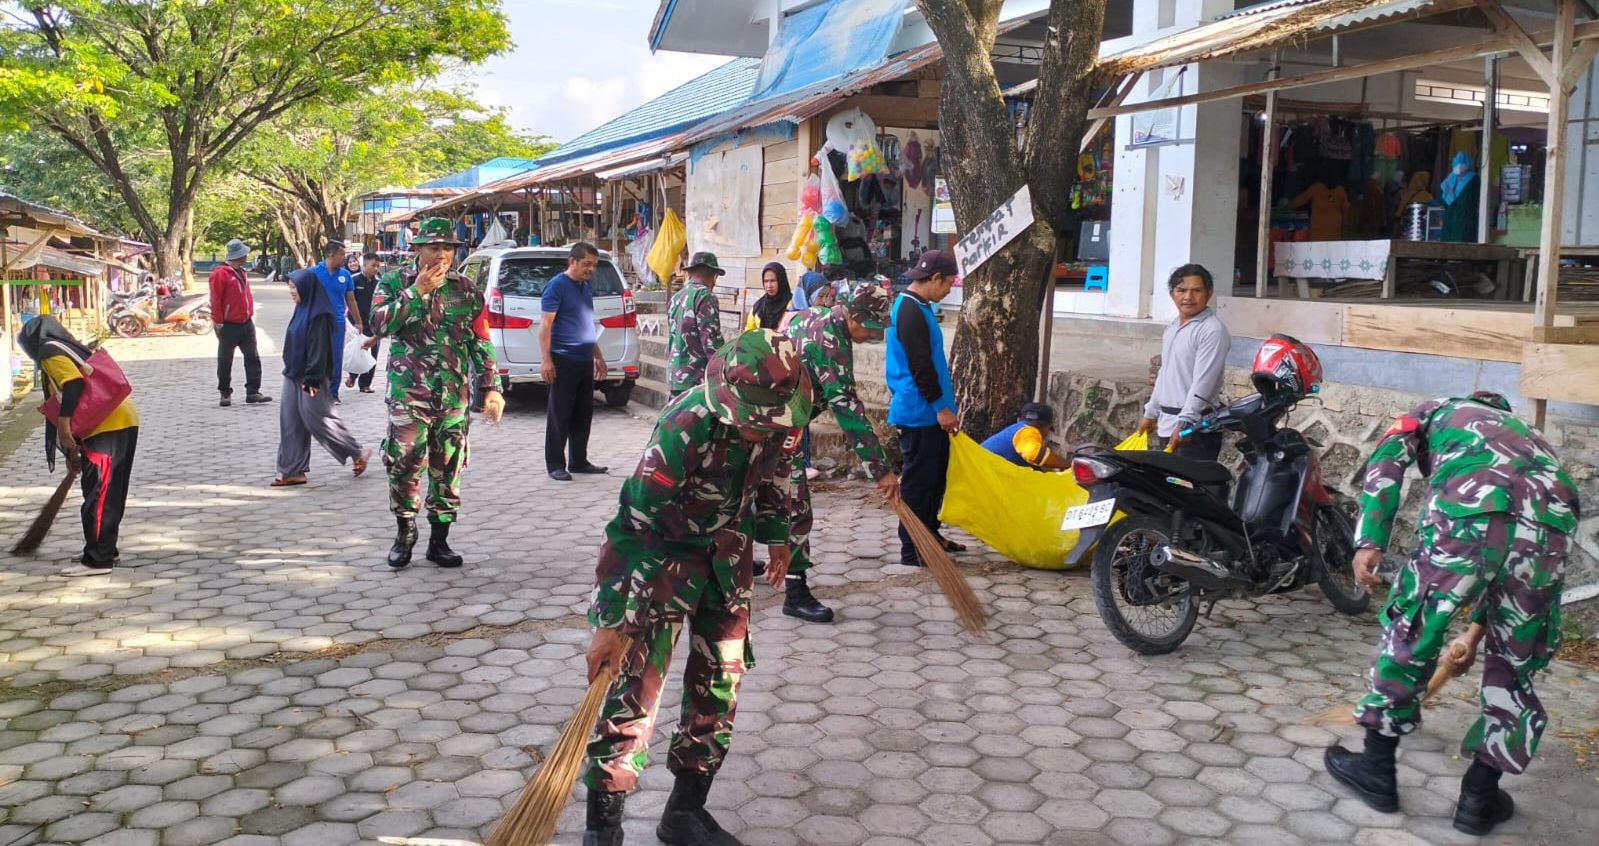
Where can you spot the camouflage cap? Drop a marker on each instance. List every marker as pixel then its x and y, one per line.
pixel 867 304
pixel 435 230
pixel 705 260
pixel 757 380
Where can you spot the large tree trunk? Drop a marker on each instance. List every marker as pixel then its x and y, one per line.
pixel 996 346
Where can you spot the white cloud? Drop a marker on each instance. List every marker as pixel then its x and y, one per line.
pixel 580 63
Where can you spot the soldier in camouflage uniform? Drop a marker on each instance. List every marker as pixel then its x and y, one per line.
pixel 434 318
pixel 826 339
pixel 712 482
pixel 695 325
pixel 1493 537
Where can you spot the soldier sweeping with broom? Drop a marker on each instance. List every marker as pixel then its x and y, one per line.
pixel 1493 538
pixel 712 482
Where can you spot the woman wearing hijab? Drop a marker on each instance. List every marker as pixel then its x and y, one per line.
pixel 310 365
pixel 105 455
pixel 1460 192
pixel 770 308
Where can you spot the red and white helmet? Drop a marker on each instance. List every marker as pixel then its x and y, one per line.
pixel 1285 364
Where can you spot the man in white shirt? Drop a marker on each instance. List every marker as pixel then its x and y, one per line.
pixel 1193 354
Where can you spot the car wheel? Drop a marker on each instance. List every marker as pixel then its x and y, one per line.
pixel 618 395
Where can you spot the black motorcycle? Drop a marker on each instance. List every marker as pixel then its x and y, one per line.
pixel 1187 537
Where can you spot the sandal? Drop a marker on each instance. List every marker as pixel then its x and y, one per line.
pixel 358 465
pixel 288 481
pixel 951 546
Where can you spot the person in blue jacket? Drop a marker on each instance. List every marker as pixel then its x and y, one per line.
pixel 922 400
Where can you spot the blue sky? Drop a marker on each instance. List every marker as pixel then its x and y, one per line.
pixel 579 63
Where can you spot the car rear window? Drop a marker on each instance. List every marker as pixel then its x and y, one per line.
pixel 526 276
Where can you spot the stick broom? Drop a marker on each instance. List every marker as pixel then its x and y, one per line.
pixel 1343 715
pixel 962 598
pixel 47 517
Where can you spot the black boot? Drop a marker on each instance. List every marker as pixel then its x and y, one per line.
pixel 439 551
pixel 1370 774
pixel 605 819
pixel 1482 804
pixel 800 603
pixel 404 539
pixel 685 822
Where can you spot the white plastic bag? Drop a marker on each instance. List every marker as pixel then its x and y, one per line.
pixel 357 358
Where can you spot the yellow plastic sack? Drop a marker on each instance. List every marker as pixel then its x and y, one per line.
pixel 1015 510
pixel 1136 441
pixel 670 239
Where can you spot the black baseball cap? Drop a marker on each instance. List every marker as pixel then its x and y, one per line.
pixel 1036 413
pixel 933 261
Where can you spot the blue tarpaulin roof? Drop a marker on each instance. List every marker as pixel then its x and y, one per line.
pixel 829 40
pixel 693 101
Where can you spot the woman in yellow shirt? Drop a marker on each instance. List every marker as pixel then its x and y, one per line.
pixel 105 455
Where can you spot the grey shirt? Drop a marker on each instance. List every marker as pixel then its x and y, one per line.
pixel 1192 356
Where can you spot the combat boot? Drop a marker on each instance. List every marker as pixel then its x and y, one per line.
pixel 685 822
pixel 604 818
pixel 404 539
pixel 1482 804
pixel 800 603
pixel 1370 774
pixel 439 551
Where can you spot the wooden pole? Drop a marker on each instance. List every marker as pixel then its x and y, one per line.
pixel 1047 324
pixel 1553 183
pixel 1490 84
pixel 1268 146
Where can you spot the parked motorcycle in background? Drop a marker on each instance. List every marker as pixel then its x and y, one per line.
pixel 1187 538
pixel 157 308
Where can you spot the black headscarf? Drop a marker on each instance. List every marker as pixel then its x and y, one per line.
pixel 300 340
pixel 769 309
pixel 40 338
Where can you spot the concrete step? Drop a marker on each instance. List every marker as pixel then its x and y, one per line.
pixel 650 393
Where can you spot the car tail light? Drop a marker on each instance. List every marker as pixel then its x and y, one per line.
pixel 628 319
pixel 630 372
pixel 1092 471
pixel 498 319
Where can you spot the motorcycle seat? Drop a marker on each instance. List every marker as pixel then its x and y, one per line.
pixel 1200 472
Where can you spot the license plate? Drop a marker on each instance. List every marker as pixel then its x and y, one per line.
pixel 1092 514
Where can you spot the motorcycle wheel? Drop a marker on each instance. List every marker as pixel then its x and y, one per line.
pixel 199 324
pixel 1148 629
pixel 1335 547
pixel 127 326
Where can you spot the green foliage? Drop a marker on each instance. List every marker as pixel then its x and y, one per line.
pixel 201 77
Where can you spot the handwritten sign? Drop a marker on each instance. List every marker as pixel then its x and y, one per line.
pixel 1000 228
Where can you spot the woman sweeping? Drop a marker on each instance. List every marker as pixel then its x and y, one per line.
pixel 768 311
pixel 105 454
pixel 310 364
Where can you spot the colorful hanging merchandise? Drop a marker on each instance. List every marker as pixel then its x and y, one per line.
pixel 833 206
pixel 803 247
pixel 853 133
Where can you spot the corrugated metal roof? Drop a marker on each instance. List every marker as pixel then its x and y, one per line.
pixel 695 100
pixel 1267 6
pixel 50 217
pixel 1265 27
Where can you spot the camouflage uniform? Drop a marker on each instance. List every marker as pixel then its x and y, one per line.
pixel 436 339
pixel 828 352
pixel 695 325
pixel 1493 537
pixel 679 550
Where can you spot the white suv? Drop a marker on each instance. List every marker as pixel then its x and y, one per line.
pixel 513 280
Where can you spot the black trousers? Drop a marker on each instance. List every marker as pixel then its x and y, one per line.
pixel 365 379
pixel 107 467
pixel 241 337
pixel 1200 447
pixel 570 414
pixel 926 453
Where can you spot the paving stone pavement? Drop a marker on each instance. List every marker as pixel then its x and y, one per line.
pixel 255 675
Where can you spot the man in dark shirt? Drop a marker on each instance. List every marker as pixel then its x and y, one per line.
pixel 366 282
pixel 571 364
pixel 921 398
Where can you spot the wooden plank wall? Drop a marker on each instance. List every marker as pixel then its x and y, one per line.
pixel 1561 372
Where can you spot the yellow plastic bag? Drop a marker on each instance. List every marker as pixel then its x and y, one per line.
pixel 752 322
pixel 1015 510
pixel 1136 441
pixel 670 239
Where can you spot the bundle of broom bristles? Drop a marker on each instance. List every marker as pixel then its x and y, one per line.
pixel 1344 715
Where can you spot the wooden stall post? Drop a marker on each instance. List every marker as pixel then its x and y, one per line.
pixel 1268 146
pixel 1490 84
pixel 1554 177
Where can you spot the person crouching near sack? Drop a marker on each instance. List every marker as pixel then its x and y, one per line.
pixel 105 454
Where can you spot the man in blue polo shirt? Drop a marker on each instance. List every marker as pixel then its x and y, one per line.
pixel 340 286
pixel 571 364
pixel 922 400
